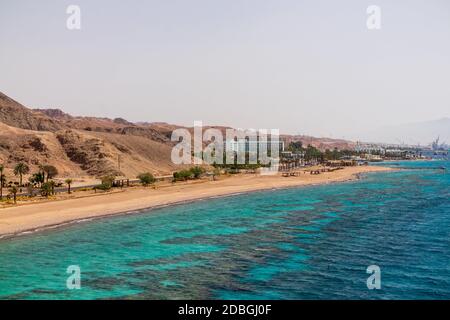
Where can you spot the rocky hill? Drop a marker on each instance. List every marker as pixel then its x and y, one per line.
pixel 320 143
pixel 118 125
pixel 80 146
pixel 14 114
pixel 90 146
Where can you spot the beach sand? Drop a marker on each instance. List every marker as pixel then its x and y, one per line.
pixel 15 220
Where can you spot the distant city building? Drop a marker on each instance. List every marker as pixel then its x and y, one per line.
pixel 292 155
pixel 246 145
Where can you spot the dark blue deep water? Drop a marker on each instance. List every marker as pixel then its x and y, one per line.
pixel 304 243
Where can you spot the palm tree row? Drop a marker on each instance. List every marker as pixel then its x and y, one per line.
pixel 41 179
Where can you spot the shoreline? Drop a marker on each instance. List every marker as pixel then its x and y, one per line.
pixel 59 214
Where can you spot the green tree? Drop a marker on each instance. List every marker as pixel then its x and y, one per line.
pixel 37 178
pixel 20 169
pixel 107 182
pixel 50 170
pixel 312 153
pixel 182 175
pixel 13 190
pixel 196 172
pixel 2 178
pixel 295 146
pixel 46 189
pixel 68 182
pixel 146 178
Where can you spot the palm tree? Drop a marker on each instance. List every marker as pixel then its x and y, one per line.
pixel 21 169
pixel 68 182
pixel 42 172
pixel 37 178
pixel 1 180
pixel 13 190
pixel 52 185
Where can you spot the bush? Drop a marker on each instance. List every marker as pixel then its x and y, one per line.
pixel 107 182
pixel 82 189
pixel 182 175
pixel 104 186
pixel 146 178
pixel 46 189
pixel 192 173
pixel 196 172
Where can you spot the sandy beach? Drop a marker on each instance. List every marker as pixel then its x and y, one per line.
pixel 16 220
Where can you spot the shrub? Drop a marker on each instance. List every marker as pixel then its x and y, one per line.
pixel 196 172
pixel 146 178
pixel 107 182
pixel 182 175
pixel 104 186
pixel 46 189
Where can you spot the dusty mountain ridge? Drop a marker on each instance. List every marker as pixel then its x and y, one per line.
pixel 92 146
pixel 14 114
pixel 80 145
pixel 118 125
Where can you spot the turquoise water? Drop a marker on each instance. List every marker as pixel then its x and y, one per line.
pixel 304 243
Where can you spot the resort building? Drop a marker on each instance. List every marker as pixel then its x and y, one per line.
pixel 246 145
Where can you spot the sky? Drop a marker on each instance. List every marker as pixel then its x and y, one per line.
pixel 304 67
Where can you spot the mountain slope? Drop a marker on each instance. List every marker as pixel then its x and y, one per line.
pixel 80 146
pixel 34 148
pixel 81 153
pixel 14 114
pixel 118 125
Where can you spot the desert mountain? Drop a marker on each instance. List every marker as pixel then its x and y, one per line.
pixel 16 115
pixel 90 146
pixel 80 145
pixel 320 143
pixel 118 125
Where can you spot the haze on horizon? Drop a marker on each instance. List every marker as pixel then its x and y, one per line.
pixel 305 67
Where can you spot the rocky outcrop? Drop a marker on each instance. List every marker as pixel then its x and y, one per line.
pixel 14 114
pixel 90 153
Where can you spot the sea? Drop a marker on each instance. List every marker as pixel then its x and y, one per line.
pixel 314 242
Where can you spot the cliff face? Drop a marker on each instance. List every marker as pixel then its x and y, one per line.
pixel 16 115
pixel 79 145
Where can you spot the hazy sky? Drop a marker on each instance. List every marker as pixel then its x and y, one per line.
pixel 309 67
